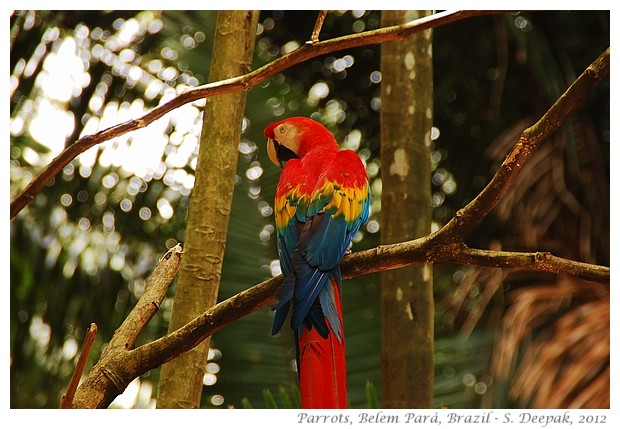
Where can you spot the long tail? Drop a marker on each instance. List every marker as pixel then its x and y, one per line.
pixel 322 366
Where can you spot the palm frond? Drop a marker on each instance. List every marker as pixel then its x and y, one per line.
pixel 561 331
pixel 554 346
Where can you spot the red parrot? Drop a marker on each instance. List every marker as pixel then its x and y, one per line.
pixel 321 201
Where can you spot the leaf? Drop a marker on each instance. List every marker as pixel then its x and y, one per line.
pixel 270 401
pixel 371 396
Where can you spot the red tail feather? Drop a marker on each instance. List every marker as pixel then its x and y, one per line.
pixel 322 368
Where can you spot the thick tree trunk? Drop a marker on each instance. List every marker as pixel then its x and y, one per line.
pixel 181 380
pixel 407 351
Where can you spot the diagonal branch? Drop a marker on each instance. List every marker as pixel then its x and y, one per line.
pixel 114 371
pixel 164 273
pixel 468 217
pixel 240 83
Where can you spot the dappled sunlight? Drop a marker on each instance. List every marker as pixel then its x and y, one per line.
pixel 137 395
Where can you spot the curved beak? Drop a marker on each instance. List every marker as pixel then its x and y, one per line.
pixel 278 153
pixel 272 151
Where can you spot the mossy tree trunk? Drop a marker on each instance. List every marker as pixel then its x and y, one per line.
pixel 181 380
pixel 407 350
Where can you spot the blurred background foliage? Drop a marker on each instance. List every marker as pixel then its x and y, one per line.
pixel 81 251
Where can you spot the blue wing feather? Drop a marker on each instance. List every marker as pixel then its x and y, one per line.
pixel 310 249
pixel 323 241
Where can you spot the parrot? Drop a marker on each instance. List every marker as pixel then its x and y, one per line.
pixel 321 200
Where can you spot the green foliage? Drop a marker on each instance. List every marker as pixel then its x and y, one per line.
pixel 371 396
pixel 285 396
pixel 288 398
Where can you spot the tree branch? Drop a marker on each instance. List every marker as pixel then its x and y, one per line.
pixel 154 293
pixel 240 83
pixel 110 376
pixel 115 370
pixel 317 27
pixel 426 249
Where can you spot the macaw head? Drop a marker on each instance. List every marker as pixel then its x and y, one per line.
pixel 294 137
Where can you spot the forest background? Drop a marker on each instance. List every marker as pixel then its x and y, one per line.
pixel 82 249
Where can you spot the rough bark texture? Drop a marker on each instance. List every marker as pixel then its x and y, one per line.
pixel 180 384
pixel 407 355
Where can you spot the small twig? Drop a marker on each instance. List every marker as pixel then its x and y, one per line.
pixel 317 26
pixel 89 339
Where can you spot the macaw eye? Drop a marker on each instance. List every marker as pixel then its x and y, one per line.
pixel 282 128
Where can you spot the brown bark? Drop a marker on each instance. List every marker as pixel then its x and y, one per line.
pixel 180 382
pixel 407 308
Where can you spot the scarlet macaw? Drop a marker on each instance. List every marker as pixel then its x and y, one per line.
pixel 321 201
